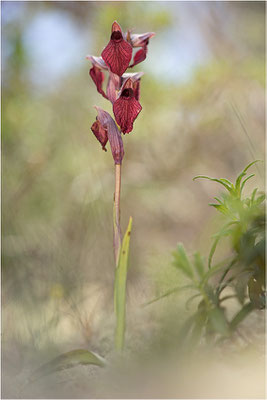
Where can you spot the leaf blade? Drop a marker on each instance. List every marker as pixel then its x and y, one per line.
pixel 68 360
pixel 120 288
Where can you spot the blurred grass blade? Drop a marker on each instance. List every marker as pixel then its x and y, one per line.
pixel 169 292
pixel 199 264
pixel 68 360
pixel 120 288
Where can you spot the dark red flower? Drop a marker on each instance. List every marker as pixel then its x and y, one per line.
pixel 118 53
pixel 126 108
pixel 98 78
pixel 100 133
pixel 113 134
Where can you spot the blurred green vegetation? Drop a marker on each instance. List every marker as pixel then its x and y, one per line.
pixel 57 184
pixel 241 271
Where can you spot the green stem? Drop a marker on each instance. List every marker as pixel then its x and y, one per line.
pixel 116 214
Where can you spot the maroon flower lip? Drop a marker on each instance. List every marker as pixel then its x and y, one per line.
pixel 126 108
pixel 118 53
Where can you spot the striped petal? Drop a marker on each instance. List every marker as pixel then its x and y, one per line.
pixel 118 53
pixel 126 108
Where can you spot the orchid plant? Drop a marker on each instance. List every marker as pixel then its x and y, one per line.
pixel 123 91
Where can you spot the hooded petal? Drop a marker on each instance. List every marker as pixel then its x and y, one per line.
pixel 118 53
pixel 126 108
pixel 97 61
pixel 113 86
pixel 98 78
pixel 113 133
pixel 100 133
pixel 135 77
pixel 139 39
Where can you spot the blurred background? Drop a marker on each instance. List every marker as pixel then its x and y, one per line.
pixel 203 113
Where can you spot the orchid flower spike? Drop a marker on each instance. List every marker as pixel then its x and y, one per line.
pixel 123 89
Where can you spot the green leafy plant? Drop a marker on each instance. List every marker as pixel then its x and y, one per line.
pixel 242 269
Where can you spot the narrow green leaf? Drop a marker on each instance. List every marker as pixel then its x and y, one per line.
pixel 218 321
pixel 221 181
pixel 212 271
pixel 191 299
pixel 227 182
pixel 209 291
pixel 212 250
pixel 68 360
pixel 244 182
pixel 253 195
pixel 259 199
pixel 199 322
pixel 222 233
pixel 243 173
pixel 241 315
pixel 181 261
pixel 220 208
pixel 199 264
pixel 169 292
pixel 120 288
pixel 185 329
pixel 227 269
pixel 219 200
